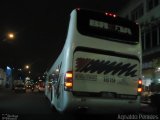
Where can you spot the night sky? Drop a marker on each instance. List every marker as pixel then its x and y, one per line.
pixel 40 28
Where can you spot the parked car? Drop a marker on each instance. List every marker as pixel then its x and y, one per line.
pixel 19 86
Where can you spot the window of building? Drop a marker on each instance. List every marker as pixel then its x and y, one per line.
pixel 143 41
pixel 127 17
pixel 148 40
pixel 158 34
pixel 133 15
pixel 141 10
pixel 154 37
pixel 156 2
pixel 151 4
pixel 137 12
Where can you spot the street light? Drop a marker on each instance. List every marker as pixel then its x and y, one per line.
pixel 27 71
pixel 10 36
pixel 7 37
pixel 27 67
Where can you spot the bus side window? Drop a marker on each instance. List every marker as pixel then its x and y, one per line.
pixel 53 77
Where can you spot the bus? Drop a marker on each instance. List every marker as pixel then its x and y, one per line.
pixel 99 67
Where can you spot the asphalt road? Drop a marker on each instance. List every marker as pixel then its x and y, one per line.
pixel 34 106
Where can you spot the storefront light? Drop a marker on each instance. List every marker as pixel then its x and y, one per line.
pixel 57 70
pixel 159 80
pixel 158 69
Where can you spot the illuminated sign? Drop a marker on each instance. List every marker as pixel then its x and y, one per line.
pixel 107 26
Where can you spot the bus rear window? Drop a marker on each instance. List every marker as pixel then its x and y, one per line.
pixel 98 24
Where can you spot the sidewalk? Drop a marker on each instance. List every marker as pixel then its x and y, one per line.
pixel 147 108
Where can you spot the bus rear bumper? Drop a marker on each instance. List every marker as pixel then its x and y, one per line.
pixel 103 105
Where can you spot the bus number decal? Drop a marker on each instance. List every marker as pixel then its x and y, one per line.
pixel 109 79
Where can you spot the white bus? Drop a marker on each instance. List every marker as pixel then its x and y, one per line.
pixel 99 67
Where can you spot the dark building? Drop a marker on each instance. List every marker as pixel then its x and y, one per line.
pixel 146 13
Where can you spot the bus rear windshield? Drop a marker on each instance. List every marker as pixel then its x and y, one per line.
pixel 98 24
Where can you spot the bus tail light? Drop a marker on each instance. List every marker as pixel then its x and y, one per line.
pixel 139 89
pixel 139 82
pixel 68 83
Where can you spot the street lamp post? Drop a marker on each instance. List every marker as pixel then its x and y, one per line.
pixel 7 37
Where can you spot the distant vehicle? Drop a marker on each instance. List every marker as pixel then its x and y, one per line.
pixel 41 86
pixel 29 85
pixel 19 86
pixel 99 68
